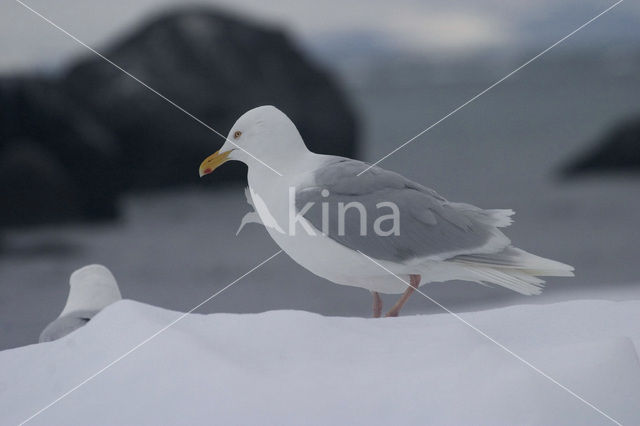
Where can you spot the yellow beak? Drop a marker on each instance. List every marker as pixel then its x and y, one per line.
pixel 213 161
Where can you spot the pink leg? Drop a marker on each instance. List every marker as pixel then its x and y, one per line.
pixel 377 305
pixel 415 282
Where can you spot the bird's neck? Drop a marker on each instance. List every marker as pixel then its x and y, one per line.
pixel 295 161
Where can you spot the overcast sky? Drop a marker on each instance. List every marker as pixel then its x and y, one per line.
pixel 424 27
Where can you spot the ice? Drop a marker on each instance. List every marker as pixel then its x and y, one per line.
pixel 295 367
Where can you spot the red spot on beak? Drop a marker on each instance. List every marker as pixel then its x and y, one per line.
pixel 207 171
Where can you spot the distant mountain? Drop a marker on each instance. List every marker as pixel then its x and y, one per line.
pixel 216 66
pixel 70 144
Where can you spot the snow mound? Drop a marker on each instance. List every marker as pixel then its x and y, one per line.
pixel 291 367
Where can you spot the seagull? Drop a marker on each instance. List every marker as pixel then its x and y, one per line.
pixel 360 225
pixel 92 288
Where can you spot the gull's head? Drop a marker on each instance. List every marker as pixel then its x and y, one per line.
pixel 261 135
pixel 92 288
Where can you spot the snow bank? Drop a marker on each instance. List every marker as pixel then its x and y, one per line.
pixel 291 367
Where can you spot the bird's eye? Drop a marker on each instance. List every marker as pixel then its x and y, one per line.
pixel 237 134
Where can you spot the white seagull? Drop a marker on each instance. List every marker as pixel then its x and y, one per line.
pixel 358 225
pixel 91 289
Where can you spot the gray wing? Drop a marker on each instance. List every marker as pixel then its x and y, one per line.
pixel 65 325
pixel 429 225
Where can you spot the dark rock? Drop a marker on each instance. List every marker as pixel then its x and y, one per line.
pixel 69 145
pixel 35 186
pixel 56 162
pixel 618 151
pixel 217 67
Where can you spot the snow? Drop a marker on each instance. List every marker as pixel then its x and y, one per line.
pixel 295 367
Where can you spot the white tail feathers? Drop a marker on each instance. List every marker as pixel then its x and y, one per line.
pixel 514 269
pixel 515 280
pixel 499 218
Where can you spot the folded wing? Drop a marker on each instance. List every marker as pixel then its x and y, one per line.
pixel 430 227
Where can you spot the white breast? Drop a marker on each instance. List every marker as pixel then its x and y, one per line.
pixel 317 253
